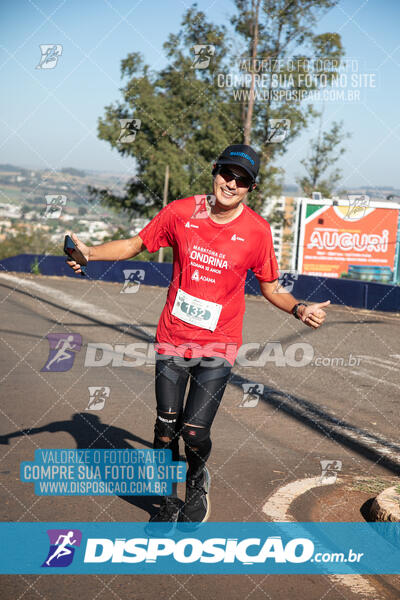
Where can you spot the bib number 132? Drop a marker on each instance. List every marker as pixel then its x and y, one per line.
pixel 196 311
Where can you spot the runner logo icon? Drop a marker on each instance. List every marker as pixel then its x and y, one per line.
pixel 50 55
pixel 358 205
pixel 62 351
pixel 97 397
pixel 278 130
pixel 287 280
pixel 201 202
pixel 203 54
pixel 54 206
pixel 62 547
pixel 237 238
pixel 329 471
pixel 133 279
pixel 195 276
pixel 129 129
pixel 251 394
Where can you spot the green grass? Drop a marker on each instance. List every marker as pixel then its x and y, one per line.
pixel 35 269
pixel 373 486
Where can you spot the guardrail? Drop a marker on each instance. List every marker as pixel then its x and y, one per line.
pixel 348 292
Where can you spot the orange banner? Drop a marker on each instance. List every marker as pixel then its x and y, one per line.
pixel 335 237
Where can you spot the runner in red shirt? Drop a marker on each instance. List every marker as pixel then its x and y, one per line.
pixel 205 304
pixel 215 240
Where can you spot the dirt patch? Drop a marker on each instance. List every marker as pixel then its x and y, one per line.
pixel 347 500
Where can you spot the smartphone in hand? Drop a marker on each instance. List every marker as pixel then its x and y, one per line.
pixel 72 251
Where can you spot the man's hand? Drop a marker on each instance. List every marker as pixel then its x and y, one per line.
pixel 83 248
pixel 313 315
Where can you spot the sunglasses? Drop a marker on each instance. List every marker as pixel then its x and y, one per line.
pixel 241 180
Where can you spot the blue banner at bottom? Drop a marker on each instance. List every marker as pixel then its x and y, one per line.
pixel 218 548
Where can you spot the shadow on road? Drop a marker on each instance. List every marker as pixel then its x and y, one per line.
pixel 309 414
pixel 135 331
pixel 90 433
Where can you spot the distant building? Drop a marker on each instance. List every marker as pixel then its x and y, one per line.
pixel 5 224
pixel 11 211
pixel 282 234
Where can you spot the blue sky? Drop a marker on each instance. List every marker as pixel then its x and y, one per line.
pixel 48 118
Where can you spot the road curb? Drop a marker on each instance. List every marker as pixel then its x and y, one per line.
pixel 386 506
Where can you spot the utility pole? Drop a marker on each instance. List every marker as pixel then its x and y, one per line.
pixel 165 197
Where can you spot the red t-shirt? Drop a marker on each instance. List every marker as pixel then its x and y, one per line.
pixel 210 262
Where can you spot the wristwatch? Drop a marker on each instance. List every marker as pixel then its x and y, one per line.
pixel 295 309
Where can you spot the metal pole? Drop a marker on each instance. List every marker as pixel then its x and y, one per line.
pixel 165 197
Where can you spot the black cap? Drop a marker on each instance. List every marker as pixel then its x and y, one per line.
pixel 243 156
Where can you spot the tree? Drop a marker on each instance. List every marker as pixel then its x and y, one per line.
pixel 278 37
pixel 73 171
pixel 325 150
pixel 185 121
pixel 185 116
pixel 28 243
pixel 25 208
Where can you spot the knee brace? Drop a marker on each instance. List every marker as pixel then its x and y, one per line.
pixel 197 448
pixel 196 437
pixel 165 425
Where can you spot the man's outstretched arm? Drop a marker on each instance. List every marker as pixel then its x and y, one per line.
pixel 116 250
pixel 312 315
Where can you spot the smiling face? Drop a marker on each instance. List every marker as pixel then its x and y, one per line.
pixel 230 193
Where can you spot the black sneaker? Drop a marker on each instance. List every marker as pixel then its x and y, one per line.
pixel 168 511
pixel 196 508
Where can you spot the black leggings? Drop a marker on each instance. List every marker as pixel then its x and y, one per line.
pixel 193 420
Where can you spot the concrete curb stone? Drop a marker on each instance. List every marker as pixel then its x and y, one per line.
pixel 386 506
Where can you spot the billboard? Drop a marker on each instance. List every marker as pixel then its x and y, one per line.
pixel 348 238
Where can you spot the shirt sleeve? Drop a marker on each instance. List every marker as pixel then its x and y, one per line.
pixel 266 267
pixel 159 233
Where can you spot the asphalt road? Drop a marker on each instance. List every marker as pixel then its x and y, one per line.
pixel 340 406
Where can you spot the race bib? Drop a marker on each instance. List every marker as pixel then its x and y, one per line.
pixel 196 311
